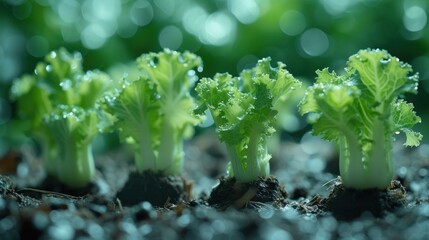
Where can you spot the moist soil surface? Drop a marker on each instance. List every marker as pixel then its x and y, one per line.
pixel 230 193
pixel 347 204
pixel 153 188
pixel 317 206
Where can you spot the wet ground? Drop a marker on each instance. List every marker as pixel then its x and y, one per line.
pixel 307 169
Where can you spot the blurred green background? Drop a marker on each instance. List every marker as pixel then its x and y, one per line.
pixel 229 35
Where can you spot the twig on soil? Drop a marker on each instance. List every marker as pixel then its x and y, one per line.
pixel 49 193
pixel 245 198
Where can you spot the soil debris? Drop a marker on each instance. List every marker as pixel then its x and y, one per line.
pixel 348 204
pixel 263 191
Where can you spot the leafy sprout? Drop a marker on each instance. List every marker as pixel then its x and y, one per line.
pixel 361 111
pixel 243 112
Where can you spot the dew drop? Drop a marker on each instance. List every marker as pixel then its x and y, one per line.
pixel 385 61
pixel 48 68
pixel 191 73
pixel 74 66
pixel 152 64
pixel 53 55
pixel 66 84
pixel 181 60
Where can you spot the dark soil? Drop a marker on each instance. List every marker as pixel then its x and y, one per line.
pixel 263 191
pixel 34 217
pixel 348 204
pixel 52 184
pixel 152 187
pixel 312 210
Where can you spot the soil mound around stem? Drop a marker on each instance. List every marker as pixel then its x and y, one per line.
pixel 36 198
pixel 51 183
pixel 38 180
pixel 153 188
pixel 254 194
pixel 348 204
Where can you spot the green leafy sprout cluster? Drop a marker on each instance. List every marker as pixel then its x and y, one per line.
pixel 58 105
pixel 360 110
pixel 155 112
pixel 243 112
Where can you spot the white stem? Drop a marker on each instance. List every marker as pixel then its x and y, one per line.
pixel 145 156
pixel 75 167
pixel 351 161
pixel 170 156
pixel 380 162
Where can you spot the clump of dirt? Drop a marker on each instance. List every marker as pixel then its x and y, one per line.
pixel 253 194
pixel 348 204
pixel 152 187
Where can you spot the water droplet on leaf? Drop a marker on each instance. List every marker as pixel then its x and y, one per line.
pixel 385 61
pixel 48 68
pixel 66 84
pixel 52 54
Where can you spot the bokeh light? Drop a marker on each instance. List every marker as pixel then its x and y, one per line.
pixel 415 18
pixel 170 37
pixel 193 19
pixel 93 36
pixel 335 7
pixel 219 29
pixel 246 11
pixel 229 35
pixel 292 22
pixel 68 11
pixel 141 13
pixel 314 42
pixel 37 46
